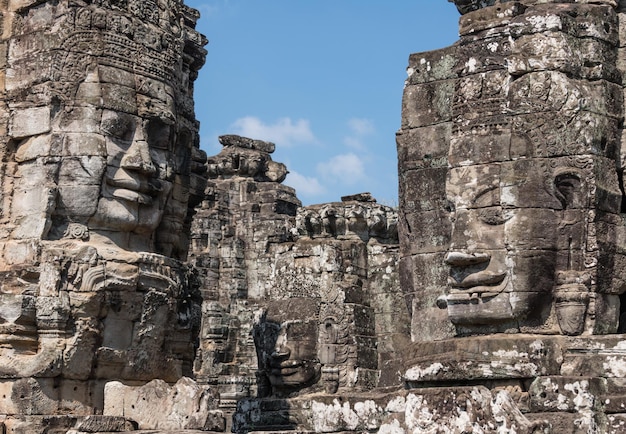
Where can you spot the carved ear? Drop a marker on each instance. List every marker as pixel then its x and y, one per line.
pixel 569 191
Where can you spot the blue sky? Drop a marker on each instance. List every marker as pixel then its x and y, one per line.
pixel 322 79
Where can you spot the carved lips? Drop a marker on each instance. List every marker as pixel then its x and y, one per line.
pixel 292 372
pixel 134 189
pixel 469 276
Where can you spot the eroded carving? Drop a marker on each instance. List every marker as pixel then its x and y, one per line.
pixel 100 172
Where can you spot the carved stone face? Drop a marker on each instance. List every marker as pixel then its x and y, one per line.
pixel 111 146
pixel 286 339
pixel 96 171
pixel 515 224
pixel 293 362
pixel 139 172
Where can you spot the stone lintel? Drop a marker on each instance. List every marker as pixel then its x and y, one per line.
pixel 498 357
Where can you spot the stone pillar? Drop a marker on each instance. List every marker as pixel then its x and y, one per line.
pixel 100 171
pixel 517 229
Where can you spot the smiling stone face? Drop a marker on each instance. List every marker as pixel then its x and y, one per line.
pixel 503 253
pixel 100 167
pixel 117 133
pixel 139 173
pixel 286 335
pixel 532 185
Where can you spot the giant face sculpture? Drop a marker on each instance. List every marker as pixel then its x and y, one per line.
pixel 533 174
pixel 120 127
pixel 141 153
pixel 286 335
pixel 515 225
pixel 98 170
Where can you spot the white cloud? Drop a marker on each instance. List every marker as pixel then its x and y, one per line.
pixel 205 9
pixel 304 185
pixel 361 127
pixel 283 132
pixel 354 143
pixel 346 168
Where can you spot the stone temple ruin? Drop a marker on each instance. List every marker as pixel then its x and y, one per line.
pixel 146 287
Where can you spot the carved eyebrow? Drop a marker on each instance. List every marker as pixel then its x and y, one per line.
pixel 489 190
pixel 291 322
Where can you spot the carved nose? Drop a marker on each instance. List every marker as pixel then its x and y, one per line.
pixel 281 352
pixel 460 259
pixel 138 158
pixel 281 349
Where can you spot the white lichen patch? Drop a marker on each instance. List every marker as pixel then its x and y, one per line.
pixel 525 368
pixel 471 64
pixel 614 367
pixel 417 413
pixel 581 398
pixel 537 346
pixel 540 23
pixel 513 354
pixel 339 417
pixel 417 373
pixel 396 405
pixel 391 428
pixel 621 345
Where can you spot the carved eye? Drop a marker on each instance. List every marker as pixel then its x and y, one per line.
pixel 158 134
pixel 568 190
pixel 117 125
pixel 488 207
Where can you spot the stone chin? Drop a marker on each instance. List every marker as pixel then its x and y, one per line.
pixel 130 210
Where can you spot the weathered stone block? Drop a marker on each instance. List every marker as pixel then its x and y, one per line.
pixel 427 104
pixel 601 356
pixel 77 200
pixel 119 98
pixel 185 405
pixel 82 170
pixel 481 144
pixel 81 120
pixel 108 74
pixel 29 122
pixel 580 21
pixel 432 66
pixel 567 394
pixel 487 18
pixel 425 232
pixel 493 357
pixel 424 189
pixel 425 147
pixel 81 144
pixel 482 53
pixel 34 147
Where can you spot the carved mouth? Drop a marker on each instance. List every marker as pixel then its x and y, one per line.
pixel 131 189
pixel 478 286
pixel 481 279
pixel 287 367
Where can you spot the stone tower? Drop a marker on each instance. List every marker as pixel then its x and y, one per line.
pixel 512 254
pixel 99 172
